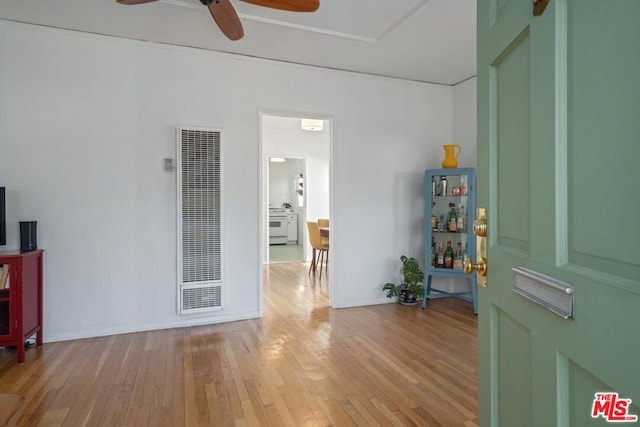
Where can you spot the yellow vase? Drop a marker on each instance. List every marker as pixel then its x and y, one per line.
pixel 451 155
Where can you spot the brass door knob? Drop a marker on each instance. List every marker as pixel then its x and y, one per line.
pixel 480 226
pixel 469 266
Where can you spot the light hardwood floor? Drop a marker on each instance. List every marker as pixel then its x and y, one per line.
pixel 302 364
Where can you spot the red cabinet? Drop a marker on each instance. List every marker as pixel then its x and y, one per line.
pixel 20 299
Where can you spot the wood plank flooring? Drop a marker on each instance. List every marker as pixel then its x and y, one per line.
pixel 302 364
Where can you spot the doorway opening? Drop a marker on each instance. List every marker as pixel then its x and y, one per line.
pixel 287 193
pixel 295 184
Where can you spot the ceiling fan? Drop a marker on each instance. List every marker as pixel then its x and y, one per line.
pixel 227 19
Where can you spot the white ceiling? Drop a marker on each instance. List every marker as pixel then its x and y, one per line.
pixel 424 40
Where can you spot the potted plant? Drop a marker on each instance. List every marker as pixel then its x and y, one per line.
pixel 411 290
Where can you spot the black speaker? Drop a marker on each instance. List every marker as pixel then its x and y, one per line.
pixel 28 238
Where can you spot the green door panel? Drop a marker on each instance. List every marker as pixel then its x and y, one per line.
pixel 514 370
pixel 511 86
pixel 558 144
pixel 583 386
pixel 603 144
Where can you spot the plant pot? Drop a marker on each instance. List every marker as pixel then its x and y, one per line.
pixel 407 298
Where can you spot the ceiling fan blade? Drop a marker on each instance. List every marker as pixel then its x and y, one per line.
pixel 290 5
pixel 134 1
pixel 227 19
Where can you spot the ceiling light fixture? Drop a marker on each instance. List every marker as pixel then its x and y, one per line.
pixel 312 124
pixel 277 159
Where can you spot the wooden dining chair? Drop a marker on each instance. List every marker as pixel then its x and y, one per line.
pixel 320 249
pixel 323 222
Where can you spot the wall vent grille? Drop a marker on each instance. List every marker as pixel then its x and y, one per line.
pixel 199 298
pixel 199 220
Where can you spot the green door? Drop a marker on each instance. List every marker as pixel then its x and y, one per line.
pixel 558 161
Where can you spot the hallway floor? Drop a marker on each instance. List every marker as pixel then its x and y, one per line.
pixel 285 253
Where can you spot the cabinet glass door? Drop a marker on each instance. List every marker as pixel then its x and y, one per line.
pixel 449 220
pixel 449 212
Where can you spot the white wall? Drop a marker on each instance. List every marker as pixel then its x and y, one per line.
pixel 282 182
pixel 465 121
pixel 86 123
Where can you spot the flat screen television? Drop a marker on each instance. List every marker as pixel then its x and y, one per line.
pixel 3 218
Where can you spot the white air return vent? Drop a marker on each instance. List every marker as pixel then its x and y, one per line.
pixel 200 282
pixel 198 297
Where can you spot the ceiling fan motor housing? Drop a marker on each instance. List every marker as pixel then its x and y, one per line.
pixel 208 2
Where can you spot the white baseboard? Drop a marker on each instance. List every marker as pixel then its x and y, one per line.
pixel 180 323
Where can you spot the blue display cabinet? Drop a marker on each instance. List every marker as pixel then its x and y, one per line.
pixel 449 214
